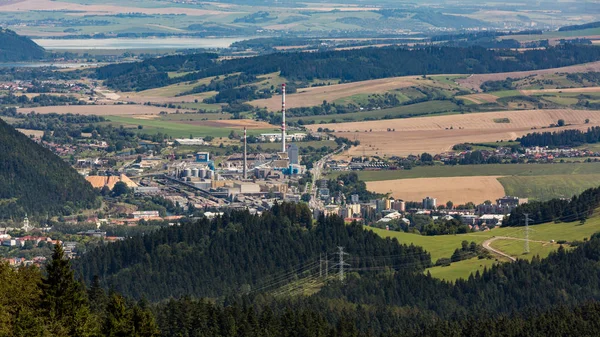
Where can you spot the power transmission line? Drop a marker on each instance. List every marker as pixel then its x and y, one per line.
pixel 526 233
pixel 342 264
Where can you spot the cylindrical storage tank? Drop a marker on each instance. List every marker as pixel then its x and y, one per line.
pixel 202 173
pixel 209 174
pixel 195 172
pixel 187 172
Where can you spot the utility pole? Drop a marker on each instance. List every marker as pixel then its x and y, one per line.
pixel 526 233
pixel 245 154
pixel 326 266
pixel 320 265
pixel 341 254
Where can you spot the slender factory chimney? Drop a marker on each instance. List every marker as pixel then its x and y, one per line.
pixel 283 121
pixel 245 153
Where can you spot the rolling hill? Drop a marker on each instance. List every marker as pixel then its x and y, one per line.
pixel 14 47
pixel 33 180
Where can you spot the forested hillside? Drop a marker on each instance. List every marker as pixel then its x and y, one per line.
pixel 570 138
pixel 152 72
pixel 34 180
pixel 578 208
pixel 53 303
pixel 563 288
pixel 14 47
pixel 235 253
pixel 348 65
pixel 512 299
pixel 579 27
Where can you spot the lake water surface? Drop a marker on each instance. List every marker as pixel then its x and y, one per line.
pixel 139 43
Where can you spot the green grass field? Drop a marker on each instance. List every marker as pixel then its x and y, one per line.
pixel 561 100
pixel 196 116
pixel 549 186
pixel 444 245
pixel 534 181
pixel 178 88
pixel 506 93
pixel 461 268
pixel 565 169
pixel 315 144
pixel 431 107
pixel 439 245
pixel 516 248
pixel 176 129
pixel 556 34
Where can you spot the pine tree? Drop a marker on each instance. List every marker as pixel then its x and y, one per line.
pixel 118 318
pixel 97 296
pixel 64 301
pixel 143 321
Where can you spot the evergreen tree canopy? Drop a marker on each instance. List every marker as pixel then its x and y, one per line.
pixel 33 180
pixel 233 254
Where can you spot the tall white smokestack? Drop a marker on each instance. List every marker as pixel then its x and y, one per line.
pixel 283 114
pixel 245 153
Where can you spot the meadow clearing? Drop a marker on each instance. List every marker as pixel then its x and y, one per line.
pixel 442 246
pixel 196 128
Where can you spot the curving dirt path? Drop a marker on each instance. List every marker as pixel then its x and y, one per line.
pixel 486 245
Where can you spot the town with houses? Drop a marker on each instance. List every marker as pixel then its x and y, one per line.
pixel 155 184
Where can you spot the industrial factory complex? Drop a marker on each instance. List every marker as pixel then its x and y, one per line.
pixel 205 181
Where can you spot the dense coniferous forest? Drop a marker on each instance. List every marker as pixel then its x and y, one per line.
pixel 152 73
pixel 233 254
pixel 347 65
pixel 579 208
pixel 562 138
pixel 369 302
pixel 34 180
pixel 319 318
pixel 14 47
pixel 52 302
pixel 554 296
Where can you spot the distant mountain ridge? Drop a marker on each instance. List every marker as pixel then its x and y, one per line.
pixel 580 27
pixel 33 180
pixel 15 47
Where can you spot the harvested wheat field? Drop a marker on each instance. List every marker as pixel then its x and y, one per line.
pixel 567 90
pixel 100 110
pixel 29 132
pixel 438 134
pixel 480 98
pixel 316 95
pixel 459 190
pixel 474 81
pixel 141 99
